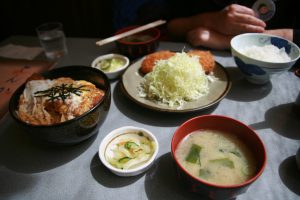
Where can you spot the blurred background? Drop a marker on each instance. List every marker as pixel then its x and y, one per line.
pixel 81 18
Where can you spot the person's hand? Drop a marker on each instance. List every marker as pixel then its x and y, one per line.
pixel 236 19
pixel 208 38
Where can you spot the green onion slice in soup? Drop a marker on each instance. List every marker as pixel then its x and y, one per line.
pixel 226 162
pixel 204 173
pixel 194 154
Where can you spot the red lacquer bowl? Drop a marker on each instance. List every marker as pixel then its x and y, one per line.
pixel 224 124
pixel 139 44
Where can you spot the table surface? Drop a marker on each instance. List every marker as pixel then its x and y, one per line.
pixel 30 170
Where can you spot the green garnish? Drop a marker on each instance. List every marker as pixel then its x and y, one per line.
pixel 124 160
pixel 194 154
pixel 236 153
pixel 245 171
pixel 141 134
pixel 130 145
pixel 224 161
pixel 204 173
pixel 60 92
pixel 112 64
pixel 105 64
pixel 222 150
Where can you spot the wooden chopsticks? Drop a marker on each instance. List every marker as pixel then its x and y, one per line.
pixel 130 32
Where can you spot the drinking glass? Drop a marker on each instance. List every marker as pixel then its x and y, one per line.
pixel 52 39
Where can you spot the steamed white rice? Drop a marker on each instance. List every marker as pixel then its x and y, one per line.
pixel 268 53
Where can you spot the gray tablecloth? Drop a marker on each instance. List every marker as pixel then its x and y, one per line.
pixel 30 170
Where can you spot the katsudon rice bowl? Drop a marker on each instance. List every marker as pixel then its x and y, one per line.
pixel 64 106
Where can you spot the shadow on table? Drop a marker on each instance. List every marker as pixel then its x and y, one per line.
pixel 14 183
pixel 161 182
pixel 290 175
pixel 21 153
pixel 282 119
pixel 106 178
pixel 243 90
pixel 155 118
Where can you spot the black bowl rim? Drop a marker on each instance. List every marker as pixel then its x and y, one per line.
pixel 13 110
pixel 233 186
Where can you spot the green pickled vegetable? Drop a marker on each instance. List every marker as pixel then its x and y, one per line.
pixel 124 160
pixel 131 145
pixel 105 64
pixel 112 64
pixel 129 150
pixel 224 161
pixel 141 134
pixel 194 154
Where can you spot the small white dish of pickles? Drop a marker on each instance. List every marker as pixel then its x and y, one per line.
pixel 113 65
pixel 128 151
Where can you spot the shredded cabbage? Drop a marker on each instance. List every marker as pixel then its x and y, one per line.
pixel 175 81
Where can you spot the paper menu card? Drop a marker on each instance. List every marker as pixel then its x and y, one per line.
pixel 13 73
pixel 19 52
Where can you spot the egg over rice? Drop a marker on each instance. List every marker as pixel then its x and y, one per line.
pixel 47 102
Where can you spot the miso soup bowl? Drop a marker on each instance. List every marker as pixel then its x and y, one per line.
pixel 258 71
pixel 223 124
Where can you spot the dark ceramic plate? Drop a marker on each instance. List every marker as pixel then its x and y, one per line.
pixel 77 129
pixel 218 89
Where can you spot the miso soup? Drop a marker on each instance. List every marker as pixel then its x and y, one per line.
pixel 216 157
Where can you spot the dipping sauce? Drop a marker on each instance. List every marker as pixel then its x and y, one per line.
pixel 110 64
pixel 137 38
pixel 216 157
pixel 130 150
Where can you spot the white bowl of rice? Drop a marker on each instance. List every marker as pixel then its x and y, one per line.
pixel 259 55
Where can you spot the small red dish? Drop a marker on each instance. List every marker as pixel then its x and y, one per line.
pixel 224 124
pixel 139 44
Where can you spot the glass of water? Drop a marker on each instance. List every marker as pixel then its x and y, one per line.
pixel 52 39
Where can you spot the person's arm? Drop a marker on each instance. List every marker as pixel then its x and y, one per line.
pixel 284 33
pixel 233 19
pixel 208 38
pixel 178 27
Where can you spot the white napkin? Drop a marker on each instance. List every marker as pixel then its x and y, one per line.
pixel 19 52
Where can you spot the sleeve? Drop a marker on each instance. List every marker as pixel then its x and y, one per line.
pixel 296 36
pixel 296 25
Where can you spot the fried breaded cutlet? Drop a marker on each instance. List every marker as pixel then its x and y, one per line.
pixel 206 60
pixel 149 62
